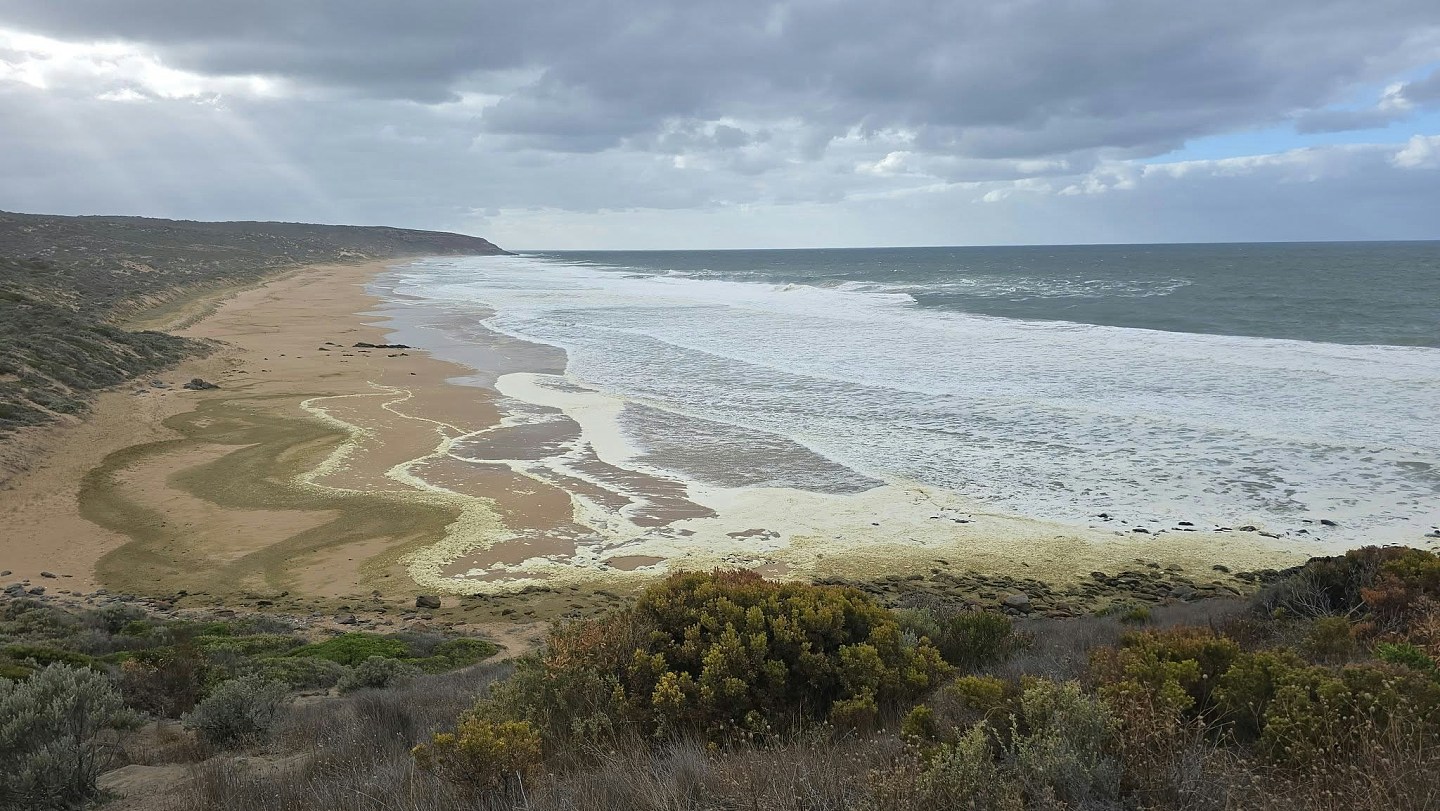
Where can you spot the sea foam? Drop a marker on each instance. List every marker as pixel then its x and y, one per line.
pixel 1047 419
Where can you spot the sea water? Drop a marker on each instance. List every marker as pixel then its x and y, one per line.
pixel 1270 384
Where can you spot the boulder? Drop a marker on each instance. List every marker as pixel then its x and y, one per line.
pixel 200 384
pixel 1019 602
pixel 427 601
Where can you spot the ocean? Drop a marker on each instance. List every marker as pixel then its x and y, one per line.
pixel 1274 385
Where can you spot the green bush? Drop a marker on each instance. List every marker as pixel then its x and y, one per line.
pixel 1330 639
pixel 355 647
pixel 967 701
pixel 918 622
pixel 52 736
pixel 1408 655
pixel 966 775
pixel 456 653
pixel 252 645
pixel 1052 746
pixel 1061 747
pixel 41 656
pixel 1300 712
pixel 239 711
pixel 140 627
pixel 1177 667
pixel 376 673
pixel 14 670
pixel 482 754
pixel 724 653
pixel 974 639
pixel 966 639
pixel 300 672
pixel 1135 615
pixel 1244 693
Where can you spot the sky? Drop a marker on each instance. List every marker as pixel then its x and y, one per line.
pixel 735 123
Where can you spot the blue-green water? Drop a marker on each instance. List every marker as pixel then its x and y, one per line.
pixel 1340 292
pixel 1269 384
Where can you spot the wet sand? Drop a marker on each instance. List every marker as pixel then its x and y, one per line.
pixel 330 473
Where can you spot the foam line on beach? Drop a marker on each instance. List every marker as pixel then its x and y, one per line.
pixel 477 526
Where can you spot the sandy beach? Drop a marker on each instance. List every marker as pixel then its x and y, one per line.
pixel 327 472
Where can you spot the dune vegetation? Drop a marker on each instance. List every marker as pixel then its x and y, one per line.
pixel 725 690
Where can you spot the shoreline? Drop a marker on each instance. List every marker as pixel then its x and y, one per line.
pixel 319 475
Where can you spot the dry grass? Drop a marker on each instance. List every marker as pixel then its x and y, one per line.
pixel 1060 649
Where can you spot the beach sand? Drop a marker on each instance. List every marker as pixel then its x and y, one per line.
pixel 324 474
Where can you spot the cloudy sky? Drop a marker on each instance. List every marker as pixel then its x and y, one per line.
pixel 735 123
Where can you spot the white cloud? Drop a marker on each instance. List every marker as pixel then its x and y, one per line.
pixel 114 71
pixel 1421 152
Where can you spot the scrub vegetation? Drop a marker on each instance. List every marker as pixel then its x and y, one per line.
pixel 725 690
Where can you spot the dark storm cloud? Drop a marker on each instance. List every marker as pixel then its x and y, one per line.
pixel 1017 78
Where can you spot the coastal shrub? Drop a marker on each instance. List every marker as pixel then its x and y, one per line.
pixel 15 671
pixel 970 640
pixel 1062 745
pixel 376 673
pixel 139 627
pixel 112 619
pixel 355 647
pixel 299 672
pixel 919 724
pixel 1300 712
pixel 263 624
pixel 482 754
pixel 42 655
pixel 965 774
pixel 238 711
pixel 53 729
pixel 724 653
pixel 1404 577
pixel 1330 639
pixel 31 619
pixel 1407 655
pixel 456 653
pixel 244 646
pixel 918 623
pixel 1318 713
pixel 166 681
pixel 1382 581
pixel 967 701
pixel 1177 667
pixel 1135 615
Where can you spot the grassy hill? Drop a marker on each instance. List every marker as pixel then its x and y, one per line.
pixel 65 281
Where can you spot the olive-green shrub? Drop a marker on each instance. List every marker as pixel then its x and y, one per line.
pixel 724 653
